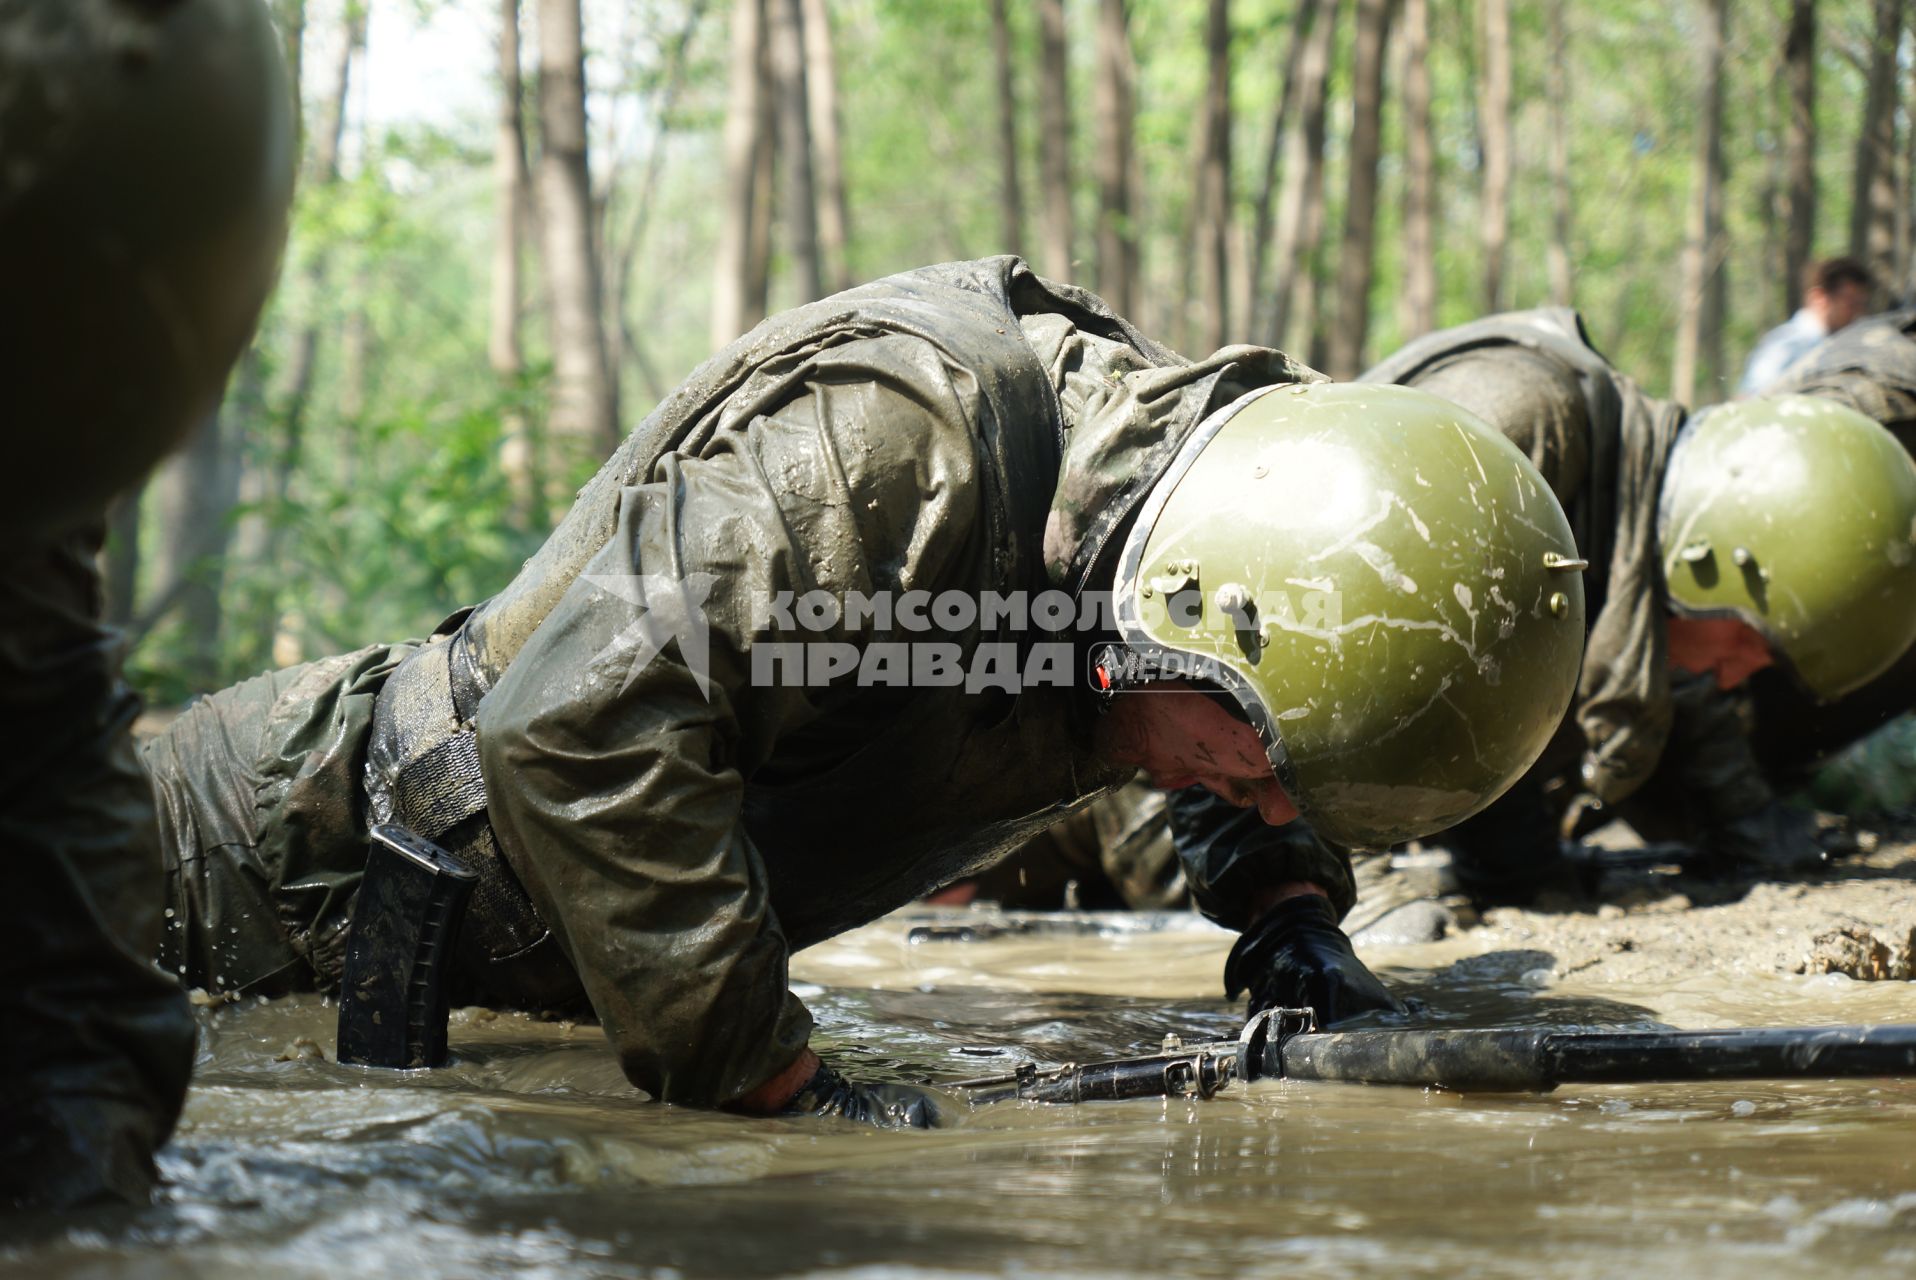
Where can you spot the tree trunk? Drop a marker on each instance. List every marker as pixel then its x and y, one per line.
pixel 196 491
pixel 1054 141
pixel 1872 225
pixel 582 425
pixel 355 372
pixel 1281 129
pixel 821 86
pixel 323 172
pixel 1420 176
pixel 1699 338
pixel 1212 212
pixel 1300 211
pixel 758 258
pixel 1493 109
pixel 1115 102
pixel 622 250
pixel 1011 229
pixel 120 562
pixel 799 203
pixel 291 17
pixel 1799 237
pixel 1562 262
pixel 732 280
pixel 1355 257
pixel 1905 279
pixel 504 348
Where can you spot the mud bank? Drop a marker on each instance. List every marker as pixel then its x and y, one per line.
pixel 1857 919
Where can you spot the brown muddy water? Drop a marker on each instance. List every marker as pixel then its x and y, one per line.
pixel 531 1156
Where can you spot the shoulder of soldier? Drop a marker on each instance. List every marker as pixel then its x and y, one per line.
pixel 1555 331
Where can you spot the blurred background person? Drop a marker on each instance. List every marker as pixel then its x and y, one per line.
pixel 1836 293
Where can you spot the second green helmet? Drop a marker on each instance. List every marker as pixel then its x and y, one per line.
pixel 1386 586
pixel 1798 516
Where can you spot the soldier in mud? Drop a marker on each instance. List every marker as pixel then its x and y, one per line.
pixel 765 684
pixel 1869 367
pixel 146 158
pixel 1767 532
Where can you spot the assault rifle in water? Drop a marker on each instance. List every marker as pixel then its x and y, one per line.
pixel 1287 1044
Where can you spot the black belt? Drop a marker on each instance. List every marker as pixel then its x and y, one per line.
pixel 422 772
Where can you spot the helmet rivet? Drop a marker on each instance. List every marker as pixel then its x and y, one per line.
pixel 1696 551
pixel 1742 557
pixel 1260 471
pixel 1232 598
pixel 1145 591
pixel 1559 604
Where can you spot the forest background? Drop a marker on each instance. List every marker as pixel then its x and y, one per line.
pixel 504 255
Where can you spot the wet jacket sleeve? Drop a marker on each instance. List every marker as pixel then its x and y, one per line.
pixel 1229 854
pixel 617 745
pixel 1623 694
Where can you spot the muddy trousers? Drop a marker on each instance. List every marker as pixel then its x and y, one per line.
pixel 263 817
pixel 96 1044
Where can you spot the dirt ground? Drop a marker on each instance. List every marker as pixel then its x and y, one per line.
pixel 1857 917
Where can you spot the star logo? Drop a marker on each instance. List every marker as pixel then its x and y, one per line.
pixel 669 608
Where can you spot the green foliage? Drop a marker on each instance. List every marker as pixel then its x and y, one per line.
pixel 1873 777
pixel 422 526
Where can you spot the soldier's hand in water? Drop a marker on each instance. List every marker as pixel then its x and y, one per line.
pixel 888 1106
pixel 1295 956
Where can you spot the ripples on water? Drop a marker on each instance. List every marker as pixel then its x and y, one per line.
pixel 532 1156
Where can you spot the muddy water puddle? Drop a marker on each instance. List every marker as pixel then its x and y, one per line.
pixel 532 1156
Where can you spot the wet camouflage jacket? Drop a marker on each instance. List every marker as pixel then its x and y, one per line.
pixel 1869 367
pixel 1601 444
pixel 966 427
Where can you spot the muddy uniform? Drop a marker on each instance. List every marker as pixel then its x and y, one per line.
pixel 1869 366
pixel 145 166
pixel 655 846
pixel 1602 444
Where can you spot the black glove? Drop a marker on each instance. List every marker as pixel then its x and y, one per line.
pixel 888 1106
pixel 1295 957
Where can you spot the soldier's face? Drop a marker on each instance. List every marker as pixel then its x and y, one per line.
pixel 1731 650
pixel 1180 738
pixel 1839 307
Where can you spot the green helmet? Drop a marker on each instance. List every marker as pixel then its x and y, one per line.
pixel 1385 584
pixel 1798 516
pixel 146 163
